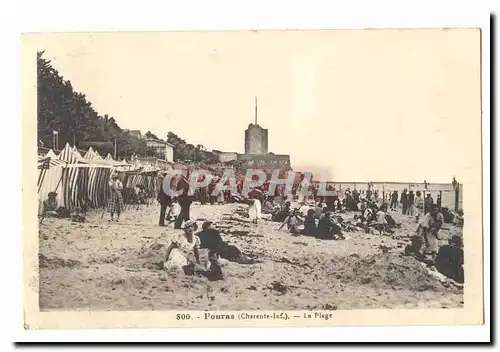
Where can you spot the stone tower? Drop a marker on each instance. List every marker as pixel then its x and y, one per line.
pixel 255 137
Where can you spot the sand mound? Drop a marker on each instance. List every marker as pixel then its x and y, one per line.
pixel 152 255
pixel 388 270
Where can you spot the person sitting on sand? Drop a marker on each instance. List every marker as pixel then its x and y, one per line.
pixel 77 215
pixel 183 248
pixel 415 246
pixel 362 205
pixel 310 226
pixel 211 239
pixel 304 208
pixel 428 228
pixel 282 214
pixel 50 205
pixel 413 250
pixel 268 206
pixel 318 210
pixel 391 223
pixel 450 259
pixel 368 215
pixel 327 229
pixel 292 221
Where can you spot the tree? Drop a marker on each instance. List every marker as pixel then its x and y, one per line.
pixel 62 109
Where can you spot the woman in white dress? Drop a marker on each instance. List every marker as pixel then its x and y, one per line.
pixel 220 198
pixel 183 249
pixel 255 210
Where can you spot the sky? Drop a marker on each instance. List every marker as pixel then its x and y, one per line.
pixel 363 105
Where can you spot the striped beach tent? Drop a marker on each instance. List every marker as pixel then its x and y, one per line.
pixel 98 179
pixel 70 188
pixel 89 153
pixel 109 158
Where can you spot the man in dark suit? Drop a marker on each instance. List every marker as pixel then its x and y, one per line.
pixel 164 199
pixel 185 199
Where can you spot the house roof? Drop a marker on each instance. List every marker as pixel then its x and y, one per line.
pixel 159 141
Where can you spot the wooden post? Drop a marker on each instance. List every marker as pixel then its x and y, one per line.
pixel 423 195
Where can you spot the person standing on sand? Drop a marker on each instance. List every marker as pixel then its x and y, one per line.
pixel 394 200
pixel 428 228
pixel 115 199
pixel 418 205
pixel 411 200
pixel 254 210
pixel 381 219
pixel 428 203
pixel 404 201
pixel 164 199
pixel 184 200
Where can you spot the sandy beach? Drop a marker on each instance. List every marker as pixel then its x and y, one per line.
pixel 101 265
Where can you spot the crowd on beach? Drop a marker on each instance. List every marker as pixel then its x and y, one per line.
pixel 321 217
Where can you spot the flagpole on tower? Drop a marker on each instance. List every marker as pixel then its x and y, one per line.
pixel 255 109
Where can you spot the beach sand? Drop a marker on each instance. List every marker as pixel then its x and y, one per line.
pixel 106 266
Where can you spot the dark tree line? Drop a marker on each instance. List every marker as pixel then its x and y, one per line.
pixel 184 151
pixel 62 109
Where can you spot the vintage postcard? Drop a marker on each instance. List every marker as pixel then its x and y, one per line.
pixel 252 178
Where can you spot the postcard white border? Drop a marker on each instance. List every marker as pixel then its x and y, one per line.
pixel 273 16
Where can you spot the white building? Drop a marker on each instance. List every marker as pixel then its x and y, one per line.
pixel 163 150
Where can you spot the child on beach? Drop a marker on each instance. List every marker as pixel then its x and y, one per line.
pixel 381 219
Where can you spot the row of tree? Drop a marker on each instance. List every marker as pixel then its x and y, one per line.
pixel 68 112
pixel 184 151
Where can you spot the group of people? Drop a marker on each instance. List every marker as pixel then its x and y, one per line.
pixel 447 259
pixel 201 252
pixel 413 204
